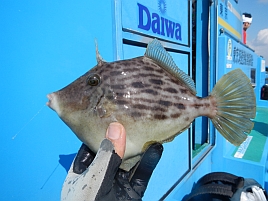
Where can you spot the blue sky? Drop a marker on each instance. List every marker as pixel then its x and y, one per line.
pixel 257 34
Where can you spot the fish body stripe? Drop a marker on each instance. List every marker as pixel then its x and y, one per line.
pixel 148 90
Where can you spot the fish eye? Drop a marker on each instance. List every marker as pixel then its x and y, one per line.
pixel 93 80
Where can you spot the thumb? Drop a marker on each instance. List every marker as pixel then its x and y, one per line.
pixel 116 133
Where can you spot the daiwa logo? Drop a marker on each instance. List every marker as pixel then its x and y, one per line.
pixel 158 24
pixel 162 6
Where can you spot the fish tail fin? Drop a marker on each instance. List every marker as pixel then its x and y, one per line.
pixel 236 106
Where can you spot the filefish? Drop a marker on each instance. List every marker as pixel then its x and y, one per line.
pixel 154 100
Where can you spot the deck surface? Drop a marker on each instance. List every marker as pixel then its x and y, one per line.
pixel 259 135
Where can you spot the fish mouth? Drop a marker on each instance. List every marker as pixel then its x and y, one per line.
pixel 51 101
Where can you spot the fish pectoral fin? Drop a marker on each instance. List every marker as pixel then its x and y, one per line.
pixel 106 109
pixel 157 53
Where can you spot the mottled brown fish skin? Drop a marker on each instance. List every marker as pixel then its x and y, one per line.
pixel 139 87
pixel 143 89
pixel 152 104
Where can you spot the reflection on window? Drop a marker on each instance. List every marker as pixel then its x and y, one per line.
pixel 266 75
pixel 200 71
pixel 253 77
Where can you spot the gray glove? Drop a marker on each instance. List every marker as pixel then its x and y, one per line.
pixel 99 177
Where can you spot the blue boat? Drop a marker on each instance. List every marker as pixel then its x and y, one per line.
pixel 46 45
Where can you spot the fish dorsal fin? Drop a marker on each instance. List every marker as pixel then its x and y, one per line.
pixel 157 52
pixel 99 59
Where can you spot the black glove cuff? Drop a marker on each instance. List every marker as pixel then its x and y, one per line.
pixel 83 159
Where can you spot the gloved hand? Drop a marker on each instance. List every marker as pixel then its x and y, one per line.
pixel 99 177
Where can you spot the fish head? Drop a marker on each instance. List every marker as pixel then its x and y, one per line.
pixel 81 94
pixel 84 104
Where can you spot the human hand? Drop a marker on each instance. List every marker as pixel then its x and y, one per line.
pixel 99 177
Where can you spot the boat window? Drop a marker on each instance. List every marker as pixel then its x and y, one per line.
pixel 200 71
